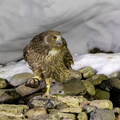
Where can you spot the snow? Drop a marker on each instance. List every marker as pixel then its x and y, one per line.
pixel 102 63
pixel 85 24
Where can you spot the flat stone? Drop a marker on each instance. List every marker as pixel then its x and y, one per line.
pixel 13 110
pixel 47 103
pixel 35 112
pixel 63 116
pixel 3 83
pixel 87 72
pixel 20 78
pixel 8 95
pixel 4 117
pixel 102 114
pixel 72 101
pixel 71 110
pixel 82 116
pixel 89 87
pixel 74 87
pixel 97 79
pixel 104 104
pixel 24 90
pixel 101 94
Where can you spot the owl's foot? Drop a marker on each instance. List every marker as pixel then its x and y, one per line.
pixel 33 82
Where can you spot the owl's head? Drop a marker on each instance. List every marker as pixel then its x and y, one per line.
pixel 53 38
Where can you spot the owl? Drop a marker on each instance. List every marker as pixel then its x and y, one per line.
pixel 49 58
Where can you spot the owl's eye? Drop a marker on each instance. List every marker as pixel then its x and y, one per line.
pixel 54 37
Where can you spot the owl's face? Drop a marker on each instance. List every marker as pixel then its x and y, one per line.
pixel 54 39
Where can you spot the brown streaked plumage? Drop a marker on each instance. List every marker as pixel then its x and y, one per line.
pixel 49 58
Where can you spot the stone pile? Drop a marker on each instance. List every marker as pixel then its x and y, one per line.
pixel 89 97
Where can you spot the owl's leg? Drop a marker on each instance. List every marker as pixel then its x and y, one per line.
pixel 34 81
pixel 48 83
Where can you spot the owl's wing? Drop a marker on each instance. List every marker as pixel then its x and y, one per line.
pixel 68 59
pixel 26 52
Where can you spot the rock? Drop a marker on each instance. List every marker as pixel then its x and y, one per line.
pixel 87 72
pixel 35 112
pixel 46 103
pixel 104 104
pixel 88 108
pixel 112 84
pixel 23 90
pixel 82 116
pixel 97 79
pixel 75 74
pixel 89 87
pixel 3 83
pixel 72 101
pixel 101 94
pixel 4 117
pixel 62 116
pixel 56 88
pixel 13 110
pixel 20 78
pixel 115 74
pixel 71 110
pixel 43 117
pixel 74 87
pixel 8 95
pixel 102 114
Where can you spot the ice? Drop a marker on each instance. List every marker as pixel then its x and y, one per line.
pixel 85 24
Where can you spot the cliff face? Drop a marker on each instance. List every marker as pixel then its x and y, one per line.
pixel 84 24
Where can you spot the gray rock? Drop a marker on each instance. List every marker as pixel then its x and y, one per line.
pixel 20 78
pixel 102 114
pixel 8 95
pixel 88 108
pixel 103 104
pixel 111 84
pixel 35 112
pixel 72 101
pixel 5 117
pixel 97 79
pixel 13 110
pixel 101 94
pixel 71 110
pixel 3 83
pixel 89 87
pixel 75 74
pixel 87 72
pixel 62 116
pixel 82 116
pixel 56 88
pixel 74 87
pixel 23 90
pixel 115 74
pixel 46 103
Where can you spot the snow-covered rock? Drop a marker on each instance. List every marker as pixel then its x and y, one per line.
pixel 84 23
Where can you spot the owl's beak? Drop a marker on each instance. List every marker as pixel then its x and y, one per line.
pixel 59 40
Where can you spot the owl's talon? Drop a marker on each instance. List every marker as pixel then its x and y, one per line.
pixel 34 83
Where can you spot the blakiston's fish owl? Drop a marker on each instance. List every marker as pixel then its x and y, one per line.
pixel 49 58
